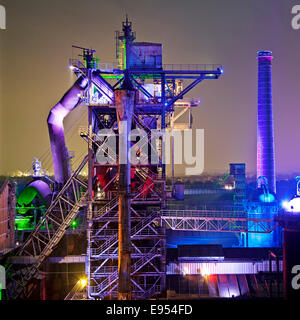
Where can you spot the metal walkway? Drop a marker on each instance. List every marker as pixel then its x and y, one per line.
pixel 218 221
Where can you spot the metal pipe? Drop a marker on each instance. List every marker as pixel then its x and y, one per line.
pixel 56 129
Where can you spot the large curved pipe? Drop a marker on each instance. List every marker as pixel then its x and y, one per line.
pixel 56 129
pixel 32 189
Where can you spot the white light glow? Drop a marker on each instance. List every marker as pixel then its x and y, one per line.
pixel 204 272
pixel 83 282
pixel 285 204
pixel 293 205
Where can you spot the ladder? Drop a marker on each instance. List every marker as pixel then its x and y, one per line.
pixel 49 231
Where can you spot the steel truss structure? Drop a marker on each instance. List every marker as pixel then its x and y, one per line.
pixel 147 194
pixel 147 231
pixel 148 243
pixel 217 221
pixel 147 198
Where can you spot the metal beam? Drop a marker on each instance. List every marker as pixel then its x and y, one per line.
pixel 185 91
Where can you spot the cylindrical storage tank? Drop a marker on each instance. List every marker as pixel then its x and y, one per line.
pixel 265 130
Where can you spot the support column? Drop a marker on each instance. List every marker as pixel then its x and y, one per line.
pixel 163 118
pixel 90 191
pixel 124 98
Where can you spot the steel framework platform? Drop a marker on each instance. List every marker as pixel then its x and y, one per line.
pixel 218 221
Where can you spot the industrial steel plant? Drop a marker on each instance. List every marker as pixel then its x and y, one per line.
pixel 117 226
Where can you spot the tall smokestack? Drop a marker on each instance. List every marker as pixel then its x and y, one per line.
pixel 265 130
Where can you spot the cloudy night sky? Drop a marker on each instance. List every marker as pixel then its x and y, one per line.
pixel 35 48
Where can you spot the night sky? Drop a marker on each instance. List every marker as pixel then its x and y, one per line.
pixel 34 71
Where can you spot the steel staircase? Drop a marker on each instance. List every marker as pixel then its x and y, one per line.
pixel 106 208
pixel 108 281
pixel 113 240
pixel 92 137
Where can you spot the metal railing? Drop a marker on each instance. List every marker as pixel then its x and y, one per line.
pixel 102 66
pixel 193 67
pixel 214 221
pixel 112 66
pixel 216 214
pixel 96 252
pixel 106 208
